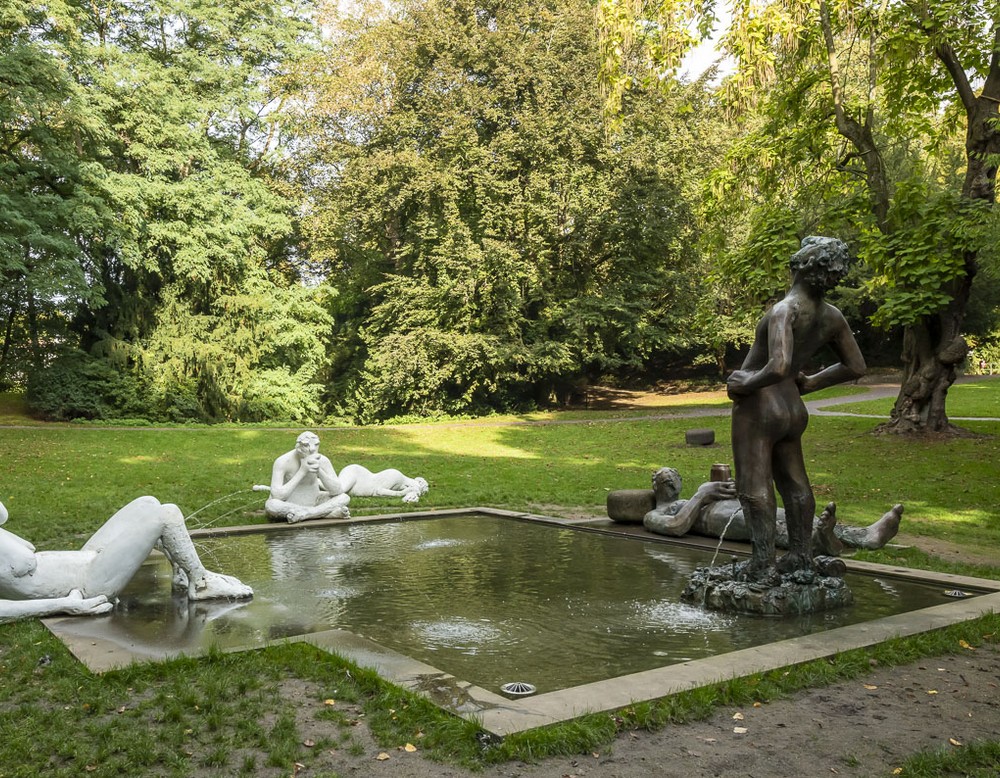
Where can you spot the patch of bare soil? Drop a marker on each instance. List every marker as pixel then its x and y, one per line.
pixel 600 398
pixel 947 550
pixel 864 727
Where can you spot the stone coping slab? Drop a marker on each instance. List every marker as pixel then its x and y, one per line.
pixel 502 716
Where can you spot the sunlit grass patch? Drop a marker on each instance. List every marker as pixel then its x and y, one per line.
pixel 979 399
pixel 138 459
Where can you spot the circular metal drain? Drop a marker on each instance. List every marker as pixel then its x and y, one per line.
pixel 517 689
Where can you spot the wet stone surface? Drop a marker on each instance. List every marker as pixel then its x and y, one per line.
pixel 727 588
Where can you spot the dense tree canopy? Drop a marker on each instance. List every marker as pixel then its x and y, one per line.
pixel 290 209
pixel 138 141
pixel 492 243
pixel 856 110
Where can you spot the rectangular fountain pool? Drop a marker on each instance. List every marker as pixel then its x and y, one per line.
pixel 478 597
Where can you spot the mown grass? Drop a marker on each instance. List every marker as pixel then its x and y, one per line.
pixel 264 712
pixel 978 399
pixel 63 482
pixel 235 714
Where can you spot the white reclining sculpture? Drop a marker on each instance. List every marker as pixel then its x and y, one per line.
pixel 85 582
pixel 362 482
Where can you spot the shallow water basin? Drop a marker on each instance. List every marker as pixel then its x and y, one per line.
pixel 483 598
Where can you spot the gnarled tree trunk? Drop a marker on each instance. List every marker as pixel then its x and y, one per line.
pixel 934 347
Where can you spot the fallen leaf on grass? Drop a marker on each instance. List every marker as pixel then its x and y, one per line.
pixel 757 705
pixel 383 756
pixel 898 771
pixel 964 644
pixel 737 716
pixel 409 748
pixel 932 691
pixel 308 743
pixel 740 730
pixel 954 742
pixel 595 754
pixel 870 686
pixel 329 702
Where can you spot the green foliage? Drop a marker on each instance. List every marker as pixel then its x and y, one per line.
pixel 845 104
pixel 148 225
pixel 76 386
pixel 46 188
pixel 493 244
pixel 252 355
pixel 918 261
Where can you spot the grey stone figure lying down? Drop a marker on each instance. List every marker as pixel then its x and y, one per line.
pixel 714 506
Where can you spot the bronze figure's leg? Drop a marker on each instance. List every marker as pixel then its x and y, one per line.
pixel 800 505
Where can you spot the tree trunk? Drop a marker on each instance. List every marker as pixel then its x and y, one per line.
pixel 7 341
pixel 920 405
pixel 37 360
pixel 933 348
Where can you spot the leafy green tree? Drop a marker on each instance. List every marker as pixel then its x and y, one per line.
pixel 46 201
pixel 159 121
pixel 494 244
pixel 863 98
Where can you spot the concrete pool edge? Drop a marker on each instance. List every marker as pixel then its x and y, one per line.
pixel 502 716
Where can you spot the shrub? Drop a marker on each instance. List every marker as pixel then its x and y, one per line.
pixel 76 386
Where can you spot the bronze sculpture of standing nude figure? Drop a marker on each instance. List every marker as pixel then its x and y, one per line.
pixel 769 416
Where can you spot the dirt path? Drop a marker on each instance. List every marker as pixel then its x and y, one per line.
pixel 865 727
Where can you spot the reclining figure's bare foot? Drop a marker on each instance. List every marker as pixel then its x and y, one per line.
pixel 211 586
pixel 876 535
pixel 885 529
pixel 825 542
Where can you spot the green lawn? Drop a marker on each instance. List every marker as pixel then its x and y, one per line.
pixel 979 399
pixel 231 714
pixel 64 481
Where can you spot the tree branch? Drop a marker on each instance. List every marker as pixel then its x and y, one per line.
pixel 859 135
pixel 947 55
pixel 991 89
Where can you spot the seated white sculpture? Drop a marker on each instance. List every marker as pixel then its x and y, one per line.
pixel 305 486
pixel 43 583
pixel 359 481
